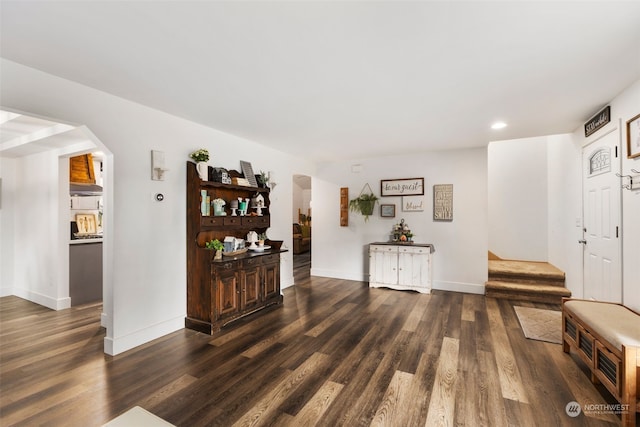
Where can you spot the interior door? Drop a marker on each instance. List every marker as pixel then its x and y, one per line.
pixel 602 267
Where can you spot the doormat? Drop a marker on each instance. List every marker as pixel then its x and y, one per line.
pixel 540 324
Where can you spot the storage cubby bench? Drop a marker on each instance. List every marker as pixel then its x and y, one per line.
pixel 606 336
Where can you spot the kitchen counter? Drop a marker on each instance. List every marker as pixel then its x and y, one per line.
pixel 84 241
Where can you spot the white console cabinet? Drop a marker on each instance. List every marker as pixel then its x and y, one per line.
pixel 400 266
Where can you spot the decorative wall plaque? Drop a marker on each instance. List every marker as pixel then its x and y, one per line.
pixel 443 202
pixel 597 121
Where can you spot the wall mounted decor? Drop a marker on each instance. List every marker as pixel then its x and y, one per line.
pixel 364 203
pixel 443 202
pixel 344 207
pixel 633 137
pixel 599 120
pixel 388 211
pixel 412 203
pixel 402 187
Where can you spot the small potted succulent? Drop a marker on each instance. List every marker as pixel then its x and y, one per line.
pixel 217 246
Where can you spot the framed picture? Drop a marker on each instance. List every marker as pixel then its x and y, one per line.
pixel 402 187
pixel 412 203
pixel 633 137
pixel 443 202
pixel 247 170
pixel 388 211
pixel 86 223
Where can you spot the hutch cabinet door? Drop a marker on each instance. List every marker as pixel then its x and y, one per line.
pixel 227 292
pixel 251 295
pixel 271 278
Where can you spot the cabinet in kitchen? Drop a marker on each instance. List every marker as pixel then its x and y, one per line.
pixel 85 203
pixel 220 291
pixel 400 266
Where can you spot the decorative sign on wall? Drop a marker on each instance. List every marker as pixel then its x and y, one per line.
pixel 413 203
pixel 633 137
pixel 344 207
pixel 443 202
pixel 598 121
pixel 387 211
pixel 402 187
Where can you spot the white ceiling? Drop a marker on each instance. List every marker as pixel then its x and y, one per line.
pixel 343 80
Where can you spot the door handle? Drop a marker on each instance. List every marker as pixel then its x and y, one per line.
pixel 584 242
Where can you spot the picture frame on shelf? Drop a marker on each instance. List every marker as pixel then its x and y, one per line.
pixel 633 137
pixel 86 223
pixel 247 170
pixel 388 211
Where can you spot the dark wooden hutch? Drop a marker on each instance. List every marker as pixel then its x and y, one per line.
pixel 220 291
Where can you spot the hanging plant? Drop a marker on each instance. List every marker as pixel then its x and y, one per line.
pixel 365 203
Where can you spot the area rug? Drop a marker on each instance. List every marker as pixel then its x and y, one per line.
pixel 539 324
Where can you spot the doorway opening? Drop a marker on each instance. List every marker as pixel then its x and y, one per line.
pixel 39 207
pixel 302 220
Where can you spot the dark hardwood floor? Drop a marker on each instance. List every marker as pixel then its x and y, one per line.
pixel 336 354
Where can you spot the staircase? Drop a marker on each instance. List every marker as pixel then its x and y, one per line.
pixel 525 281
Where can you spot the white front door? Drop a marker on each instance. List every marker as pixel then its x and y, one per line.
pixel 602 269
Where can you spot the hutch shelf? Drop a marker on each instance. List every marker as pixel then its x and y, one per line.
pixel 221 291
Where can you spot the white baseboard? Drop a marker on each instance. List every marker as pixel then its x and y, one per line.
pixel 336 274
pixel 286 283
pixel 47 301
pixel 114 346
pixel 467 288
pixel 6 291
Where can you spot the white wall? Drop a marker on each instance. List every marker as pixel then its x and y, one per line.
pixel 518 199
pixel 37 270
pixel 7 225
pixel 565 209
pixel 624 107
pixel 460 260
pixel 147 266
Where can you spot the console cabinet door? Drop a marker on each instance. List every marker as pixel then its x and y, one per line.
pixel 413 267
pixel 227 291
pixel 383 264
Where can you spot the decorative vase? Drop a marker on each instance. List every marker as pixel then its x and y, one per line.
pixel 218 254
pixel 203 170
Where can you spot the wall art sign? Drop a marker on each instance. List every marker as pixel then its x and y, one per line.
pixel 387 211
pixel 597 121
pixel 412 203
pixel 443 202
pixel 633 137
pixel 402 187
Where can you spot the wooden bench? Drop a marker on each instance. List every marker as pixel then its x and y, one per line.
pixel 606 336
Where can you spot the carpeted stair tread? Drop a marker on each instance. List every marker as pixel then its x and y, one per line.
pixel 527 287
pixel 525 272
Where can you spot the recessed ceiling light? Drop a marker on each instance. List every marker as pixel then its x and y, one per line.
pixel 498 125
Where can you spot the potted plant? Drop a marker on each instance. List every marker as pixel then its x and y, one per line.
pixel 216 245
pixel 201 157
pixel 364 204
